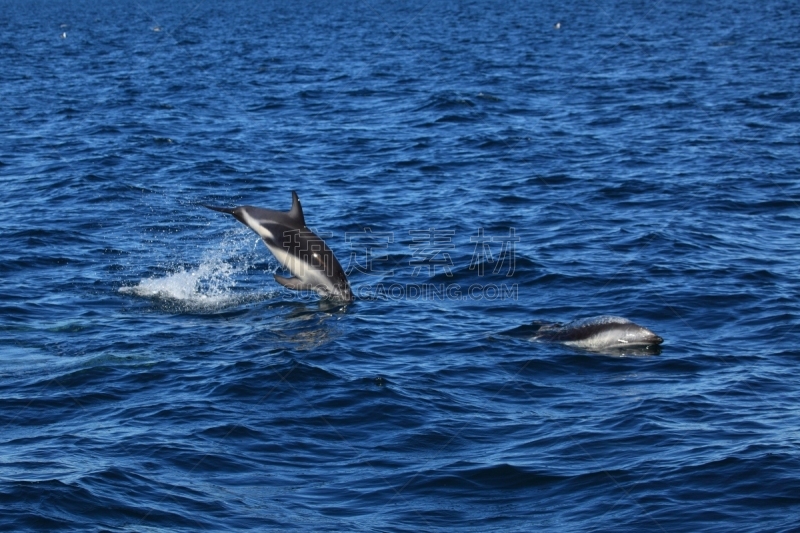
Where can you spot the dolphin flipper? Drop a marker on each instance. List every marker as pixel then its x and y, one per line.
pixel 295 284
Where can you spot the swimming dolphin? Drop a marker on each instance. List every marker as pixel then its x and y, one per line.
pixel 601 333
pixel 297 248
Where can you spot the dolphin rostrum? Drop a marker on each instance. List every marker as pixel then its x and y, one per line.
pixel 601 333
pixel 297 248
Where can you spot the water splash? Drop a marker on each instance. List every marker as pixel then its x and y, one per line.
pixel 215 283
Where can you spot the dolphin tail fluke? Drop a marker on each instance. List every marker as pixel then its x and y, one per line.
pixel 228 210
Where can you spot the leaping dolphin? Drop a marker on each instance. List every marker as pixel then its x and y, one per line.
pixel 308 258
pixel 602 333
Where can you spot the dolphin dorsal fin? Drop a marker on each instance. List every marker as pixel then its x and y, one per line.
pixel 296 212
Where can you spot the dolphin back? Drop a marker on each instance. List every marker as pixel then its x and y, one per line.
pixel 599 333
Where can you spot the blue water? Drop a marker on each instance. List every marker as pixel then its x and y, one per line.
pixel 642 159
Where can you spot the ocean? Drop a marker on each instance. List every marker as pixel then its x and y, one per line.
pixel 478 168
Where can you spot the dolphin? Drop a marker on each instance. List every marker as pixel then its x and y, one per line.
pixel 602 334
pixel 297 248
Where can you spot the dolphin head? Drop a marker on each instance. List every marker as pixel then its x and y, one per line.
pixel 610 332
pixel 339 287
pixel 628 335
